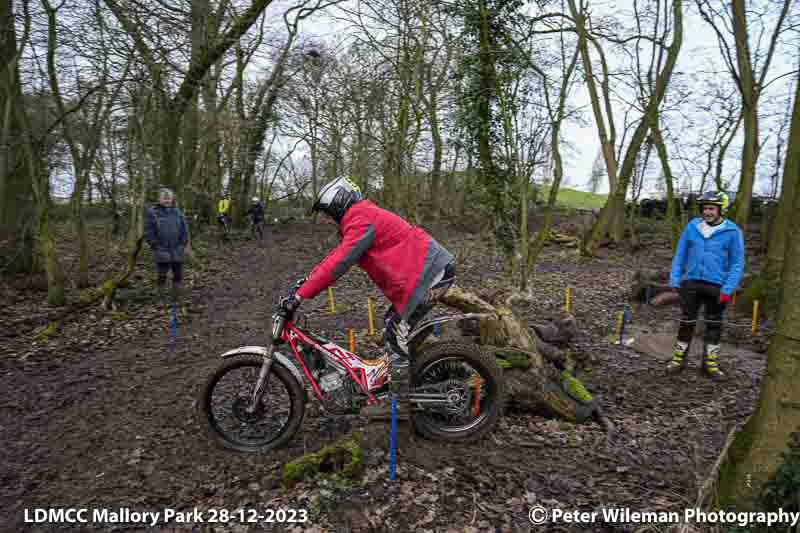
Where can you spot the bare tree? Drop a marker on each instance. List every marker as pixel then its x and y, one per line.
pixel 611 219
pixel 598 173
pixel 175 105
pixel 557 112
pixel 83 135
pixel 731 22
pixel 16 194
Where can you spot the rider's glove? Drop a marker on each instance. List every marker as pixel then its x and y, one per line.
pixel 299 283
pixel 291 303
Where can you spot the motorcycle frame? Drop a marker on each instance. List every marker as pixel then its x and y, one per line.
pixel 291 334
pixel 355 366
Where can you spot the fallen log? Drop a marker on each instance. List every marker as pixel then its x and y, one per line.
pixel 652 286
pixel 536 379
pixel 536 374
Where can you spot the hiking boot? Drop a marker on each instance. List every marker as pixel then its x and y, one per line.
pixel 678 362
pixel 711 363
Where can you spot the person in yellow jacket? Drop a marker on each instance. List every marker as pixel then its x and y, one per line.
pixel 224 206
pixel 223 211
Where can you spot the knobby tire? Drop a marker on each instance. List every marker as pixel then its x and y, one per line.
pixel 297 398
pixel 490 373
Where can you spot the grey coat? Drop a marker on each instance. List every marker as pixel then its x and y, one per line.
pixel 166 232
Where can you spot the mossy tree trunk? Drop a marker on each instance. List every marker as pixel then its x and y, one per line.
pixel 16 196
pixel 756 451
pixel 778 235
pixel 34 152
pixel 536 375
pixel 666 170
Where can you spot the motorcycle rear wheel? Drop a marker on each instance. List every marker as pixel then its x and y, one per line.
pixel 486 406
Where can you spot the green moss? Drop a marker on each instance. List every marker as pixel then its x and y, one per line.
pixel 513 360
pixel 119 316
pixel 574 387
pixel 339 462
pixel 783 486
pixel 766 292
pixel 90 295
pixel 729 483
pixel 502 363
pixel 51 330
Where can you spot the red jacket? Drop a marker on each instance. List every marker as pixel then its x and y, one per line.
pixel 399 258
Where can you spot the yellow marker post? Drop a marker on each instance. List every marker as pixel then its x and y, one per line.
pixel 755 316
pixel 733 306
pixel 352 341
pixel 568 307
pixel 371 319
pixel 333 304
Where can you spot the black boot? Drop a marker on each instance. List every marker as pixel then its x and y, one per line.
pixel 161 294
pixel 398 389
pixel 176 292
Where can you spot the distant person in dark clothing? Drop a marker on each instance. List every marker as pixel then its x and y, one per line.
pixel 256 214
pixel 166 232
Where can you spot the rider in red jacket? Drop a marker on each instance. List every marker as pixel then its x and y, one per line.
pixel 411 268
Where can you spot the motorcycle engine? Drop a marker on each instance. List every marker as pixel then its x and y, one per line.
pixel 340 392
pixel 331 381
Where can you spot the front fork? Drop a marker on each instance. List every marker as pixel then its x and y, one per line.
pixel 263 380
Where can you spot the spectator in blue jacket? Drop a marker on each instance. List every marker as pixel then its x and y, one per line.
pixel 166 232
pixel 706 270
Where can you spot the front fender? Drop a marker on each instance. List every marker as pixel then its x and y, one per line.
pixel 261 350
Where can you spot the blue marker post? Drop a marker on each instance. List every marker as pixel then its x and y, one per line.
pixel 647 295
pixel 437 330
pixel 174 325
pixel 393 443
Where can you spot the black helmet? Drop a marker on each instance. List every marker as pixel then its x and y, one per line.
pixel 718 198
pixel 336 197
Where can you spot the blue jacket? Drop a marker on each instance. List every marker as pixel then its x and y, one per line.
pixel 166 232
pixel 718 259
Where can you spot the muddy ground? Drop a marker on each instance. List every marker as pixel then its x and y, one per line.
pixel 102 415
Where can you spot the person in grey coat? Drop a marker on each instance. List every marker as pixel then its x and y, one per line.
pixel 166 232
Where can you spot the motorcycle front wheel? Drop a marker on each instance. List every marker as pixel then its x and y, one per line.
pixel 224 397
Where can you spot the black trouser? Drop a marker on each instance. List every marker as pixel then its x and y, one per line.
pixel 695 294
pixel 177 273
pixel 392 318
pixel 257 225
